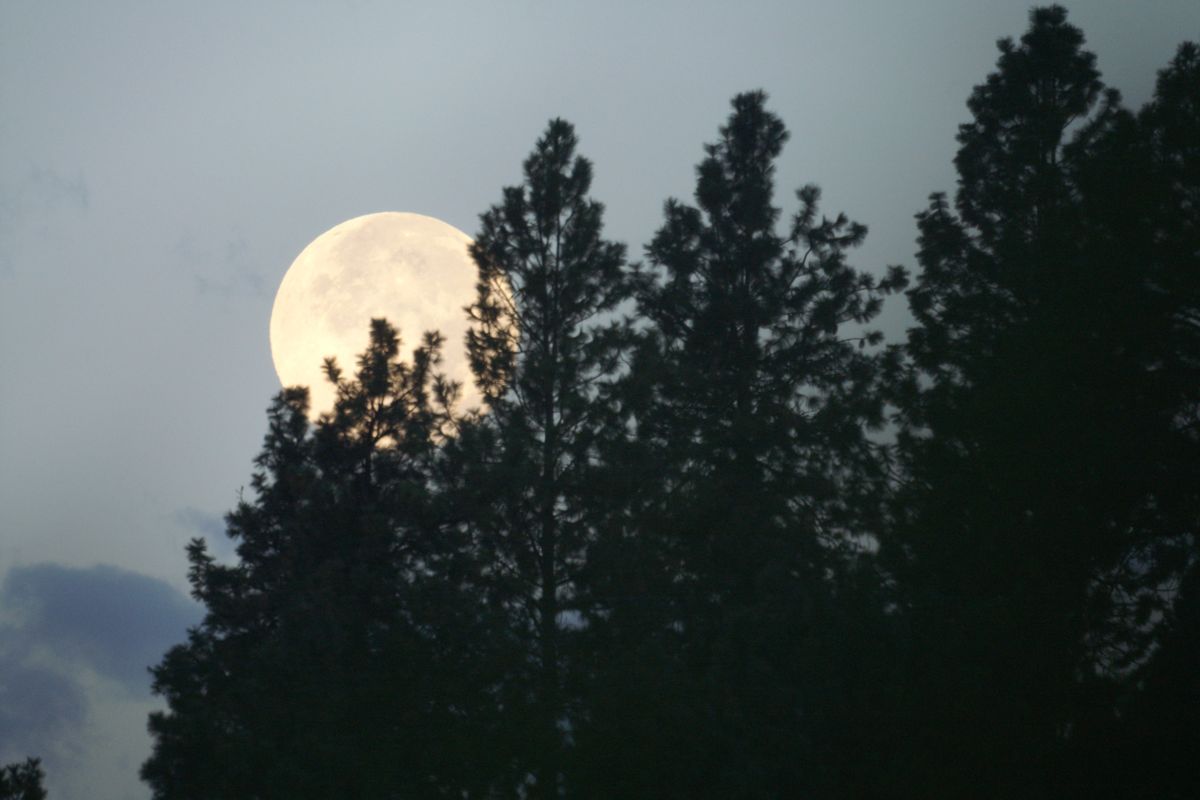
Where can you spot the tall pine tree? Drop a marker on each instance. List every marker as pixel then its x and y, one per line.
pixel 751 397
pixel 1037 438
pixel 544 347
pixel 1140 184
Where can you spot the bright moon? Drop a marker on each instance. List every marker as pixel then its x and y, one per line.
pixel 412 269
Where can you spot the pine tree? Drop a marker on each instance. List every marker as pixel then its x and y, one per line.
pixel 544 345
pixel 1140 184
pixel 314 672
pixel 751 397
pixel 22 781
pixel 1035 435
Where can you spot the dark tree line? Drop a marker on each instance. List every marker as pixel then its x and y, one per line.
pixel 711 536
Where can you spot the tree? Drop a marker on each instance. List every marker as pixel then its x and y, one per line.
pixel 1140 183
pixel 22 781
pixel 1037 438
pixel 317 669
pixel 751 399
pixel 543 351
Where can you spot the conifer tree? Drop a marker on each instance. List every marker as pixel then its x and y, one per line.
pixel 314 672
pixel 1140 186
pixel 1034 430
pixel 22 780
pixel 751 396
pixel 543 346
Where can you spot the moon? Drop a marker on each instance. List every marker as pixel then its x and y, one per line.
pixel 412 269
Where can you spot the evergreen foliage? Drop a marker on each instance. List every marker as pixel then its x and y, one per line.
pixel 751 404
pixel 1048 495
pixel 544 352
pixel 22 780
pixel 290 683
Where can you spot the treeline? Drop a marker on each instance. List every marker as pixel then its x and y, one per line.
pixel 713 536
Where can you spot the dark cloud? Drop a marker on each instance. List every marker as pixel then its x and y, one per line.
pixel 37 706
pixel 61 627
pixel 114 621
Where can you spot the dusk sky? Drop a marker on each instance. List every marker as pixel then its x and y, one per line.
pixel 162 164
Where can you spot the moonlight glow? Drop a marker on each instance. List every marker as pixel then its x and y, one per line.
pixel 412 269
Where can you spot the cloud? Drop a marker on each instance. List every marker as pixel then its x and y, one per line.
pixel 114 621
pixel 226 271
pixel 42 190
pixel 37 707
pixel 209 526
pixel 32 201
pixel 75 645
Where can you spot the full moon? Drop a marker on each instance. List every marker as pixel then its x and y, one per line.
pixel 411 269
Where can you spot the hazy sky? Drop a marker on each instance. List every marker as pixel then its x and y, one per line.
pixel 162 163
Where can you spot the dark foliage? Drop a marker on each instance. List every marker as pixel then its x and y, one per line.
pixel 544 355
pixel 292 687
pixel 1049 502
pixel 751 404
pixel 22 781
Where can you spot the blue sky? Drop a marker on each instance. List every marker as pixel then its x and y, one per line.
pixel 161 165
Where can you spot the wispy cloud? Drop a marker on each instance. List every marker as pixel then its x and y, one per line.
pixel 41 189
pixel 224 270
pixel 115 622
pixel 31 200
pixel 210 527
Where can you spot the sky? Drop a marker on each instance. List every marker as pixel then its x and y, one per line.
pixel 162 164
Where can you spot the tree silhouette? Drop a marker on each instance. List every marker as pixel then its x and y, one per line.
pixel 22 781
pixel 543 354
pixel 751 399
pixel 1140 183
pixel 315 671
pixel 1037 438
